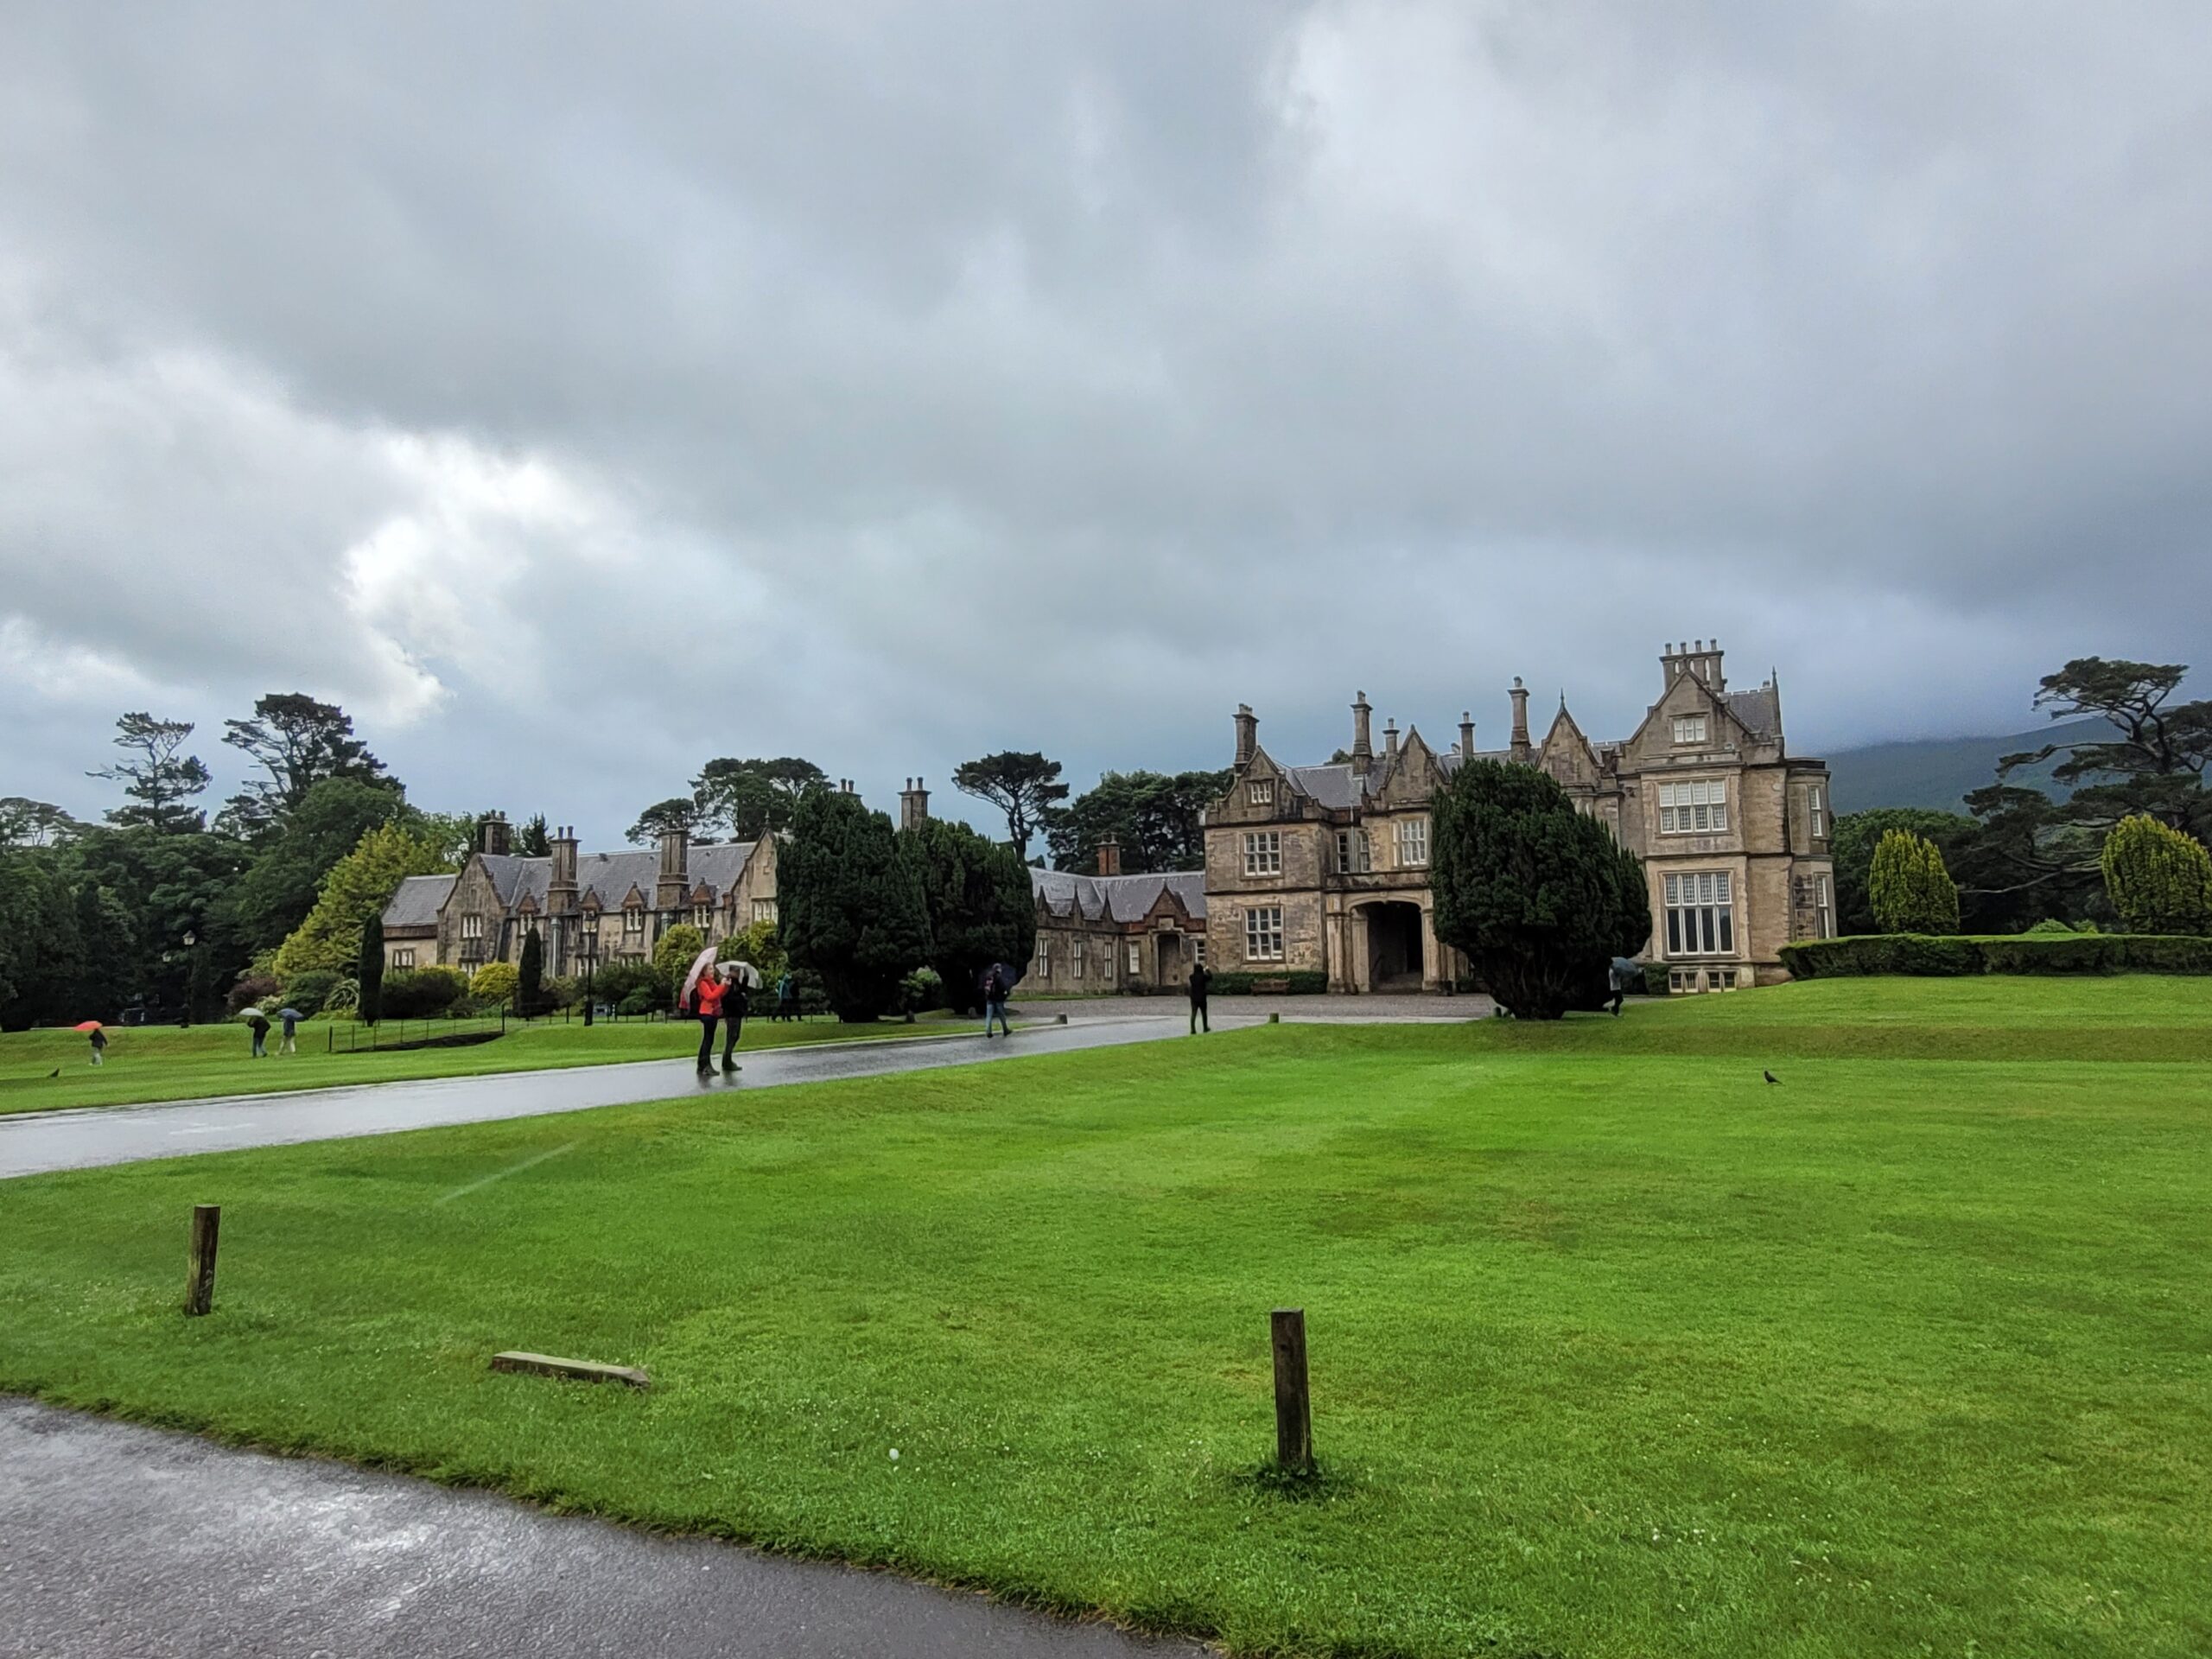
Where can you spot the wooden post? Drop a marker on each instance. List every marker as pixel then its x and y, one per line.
pixel 1293 1410
pixel 199 1289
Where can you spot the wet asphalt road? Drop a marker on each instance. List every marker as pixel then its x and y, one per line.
pixel 33 1142
pixel 117 1541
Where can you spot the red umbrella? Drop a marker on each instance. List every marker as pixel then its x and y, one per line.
pixel 86 1025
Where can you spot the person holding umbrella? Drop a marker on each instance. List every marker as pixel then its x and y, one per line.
pixel 702 994
pixel 1623 972
pixel 257 1023
pixel 738 978
pixel 291 1016
pixel 93 1029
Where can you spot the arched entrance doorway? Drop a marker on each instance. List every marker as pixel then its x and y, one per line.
pixel 1394 947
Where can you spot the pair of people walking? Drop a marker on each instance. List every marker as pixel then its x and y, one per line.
pixel 257 1023
pixel 723 1002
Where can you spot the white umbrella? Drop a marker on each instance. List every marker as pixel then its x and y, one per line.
pixel 699 965
pixel 744 973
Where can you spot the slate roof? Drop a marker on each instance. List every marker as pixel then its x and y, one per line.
pixel 1338 786
pixel 1759 711
pixel 415 904
pixel 1120 898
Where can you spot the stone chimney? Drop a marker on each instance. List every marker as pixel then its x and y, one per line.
pixel 492 836
pixel 1700 659
pixel 913 806
pixel 1248 734
pixel 561 880
pixel 1466 735
pixel 1363 745
pixel 1390 741
pixel 1520 696
pixel 672 889
pixel 1109 856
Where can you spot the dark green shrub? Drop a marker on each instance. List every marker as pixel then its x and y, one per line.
pixel 849 903
pixel 309 990
pixel 1922 955
pixel 423 992
pixel 1919 955
pixel 643 1000
pixel 2052 953
pixel 2167 953
pixel 1292 982
pixel 250 988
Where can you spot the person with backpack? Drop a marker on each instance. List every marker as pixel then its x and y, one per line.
pixel 995 992
pixel 1200 981
pixel 99 1045
pixel 736 1004
pixel 707 1003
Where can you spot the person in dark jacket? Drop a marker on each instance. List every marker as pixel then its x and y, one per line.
pixel 995 991
pixel 99 1045
pixel 736 1004
pixel 707 1003
pixel 291 1032
pixel 1200 980
pixel 257 1023
pixel 786 998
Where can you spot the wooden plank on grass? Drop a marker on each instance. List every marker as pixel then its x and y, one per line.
pixel 585 1370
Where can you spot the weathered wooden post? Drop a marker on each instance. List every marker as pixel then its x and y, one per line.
pixel 199 1289
pixel 1293 1409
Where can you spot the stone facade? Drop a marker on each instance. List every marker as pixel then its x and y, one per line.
pixel 1325 869
pixel 616 905
pixel 1111 932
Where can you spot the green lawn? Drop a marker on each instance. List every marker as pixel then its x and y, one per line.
pixel 1617 1350
pixel 166 1063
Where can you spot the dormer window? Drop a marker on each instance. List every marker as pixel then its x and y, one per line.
pixel 1690 728
pixel 1261 792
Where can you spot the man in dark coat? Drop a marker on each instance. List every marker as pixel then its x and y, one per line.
pixel 1200 980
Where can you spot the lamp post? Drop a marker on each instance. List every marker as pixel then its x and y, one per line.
pixel 588 947
pixel 191 973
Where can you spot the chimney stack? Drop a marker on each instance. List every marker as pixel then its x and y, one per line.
pixel 1362 745
pixel 1390 739
pixel 491 835
pixel 913 806
pixel 672 888
pixel 1248 734
pixel 1466 735
pixel 561 877
pixel 1520 696
pixel 1109 856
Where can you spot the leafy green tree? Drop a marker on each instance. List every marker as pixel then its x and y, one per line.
pixel 748 799
pixel 1158 819
pixel 758 943
pixel 678 812
pixel 279 890
pixel 1027 788
pixel 357 887
pixel 299 742
pixel 2160 879
pixel 978 901
pixel 1908 888
pixel 25 823
pixel 499 982
pixel 1538 895
pixel 369 971
pixel 47 962
pixel 172 886
pixel 158 781
pixel 851 904
pixel 107 953
pixel 672 959
pixel 1851 846
pixel 535 839
pixel 529 980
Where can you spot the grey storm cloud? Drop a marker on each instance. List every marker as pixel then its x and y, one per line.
pixel 576 392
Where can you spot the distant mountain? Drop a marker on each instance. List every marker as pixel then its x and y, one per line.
pixel 1938 773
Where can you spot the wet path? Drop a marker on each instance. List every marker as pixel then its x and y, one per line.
pixel 117 1541
pixel 32 1142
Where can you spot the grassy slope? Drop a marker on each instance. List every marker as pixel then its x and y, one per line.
pixel 165 1062
pixel 1615 1351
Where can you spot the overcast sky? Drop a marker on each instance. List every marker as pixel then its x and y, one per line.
pixel 575 392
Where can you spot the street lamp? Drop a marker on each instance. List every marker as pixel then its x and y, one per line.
pixel 191 974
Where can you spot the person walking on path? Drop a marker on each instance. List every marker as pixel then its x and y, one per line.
pixel 1200 980
pixel 995 995
pixel 99 1045
pixel 786 998
pixel 291 1030
pixel 706 1002
pixel 257 1023
pixel 736 1004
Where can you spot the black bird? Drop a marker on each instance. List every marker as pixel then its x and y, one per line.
pixel 1769 1077
pixel 55 1073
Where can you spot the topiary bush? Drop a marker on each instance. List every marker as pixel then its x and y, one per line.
pixel 2159 880
pixel 1910 890
pixel 494 983
pixel 1921 955
pixel 422 992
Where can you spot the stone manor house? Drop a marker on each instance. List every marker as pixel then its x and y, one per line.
pixel 1308 868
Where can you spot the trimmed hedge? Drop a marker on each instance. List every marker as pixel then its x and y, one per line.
pixel 1301 982
pixel 1935 956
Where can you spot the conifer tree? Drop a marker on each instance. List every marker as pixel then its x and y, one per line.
pixel 2159 880
pixel 371 970
pixel 981 906
pixel 530 986
pixel 850 903
pixel 1910 889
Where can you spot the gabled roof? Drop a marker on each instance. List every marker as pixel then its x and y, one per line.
pixel 1335 786
pixel 418 900
pixel 1760 711
pixel 1116 898
pixel 612 875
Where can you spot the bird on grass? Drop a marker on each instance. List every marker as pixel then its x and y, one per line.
pixel 55 1073
pixel 1769 1077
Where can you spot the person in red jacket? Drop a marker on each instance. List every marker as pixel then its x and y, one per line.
pixel 707 1001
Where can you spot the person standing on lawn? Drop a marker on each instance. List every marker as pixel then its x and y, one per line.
pixel 99 1045
pixel 706 1002
pixel 291 1030
pixel 736 1004
pixel 786 998
pixel 1200 981
pixel 257 1023
pixel 995 991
